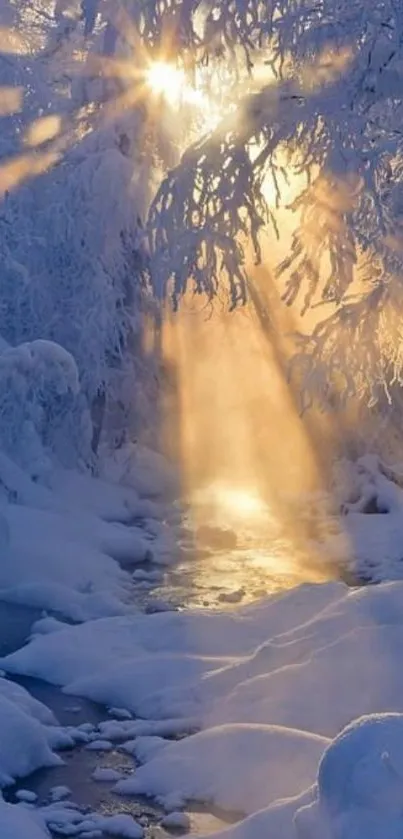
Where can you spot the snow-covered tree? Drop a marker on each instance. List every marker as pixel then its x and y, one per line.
pixel 73 190
pixel 39 396
pixel 308 93
pixel 330 108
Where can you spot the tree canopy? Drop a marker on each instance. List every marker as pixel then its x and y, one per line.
pixel 330 108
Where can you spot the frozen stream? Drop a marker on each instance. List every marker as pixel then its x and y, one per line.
pixel 236 559
pixel 79 763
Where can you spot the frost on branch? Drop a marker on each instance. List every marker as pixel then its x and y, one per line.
pixel 197 217
pixel 335 108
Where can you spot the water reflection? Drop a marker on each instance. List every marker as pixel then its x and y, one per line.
pixel 237 551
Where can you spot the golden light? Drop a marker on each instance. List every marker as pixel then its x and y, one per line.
pixel 170 83
pixel 42 130
pixel 243 502
pixel 167 81
pixel 231 503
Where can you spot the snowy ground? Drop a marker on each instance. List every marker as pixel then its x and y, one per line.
pixel 240 708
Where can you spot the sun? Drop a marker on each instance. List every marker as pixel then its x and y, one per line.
pixel 167 81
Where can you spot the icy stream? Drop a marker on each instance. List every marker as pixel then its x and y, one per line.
pixel 219 565
pixel 79 763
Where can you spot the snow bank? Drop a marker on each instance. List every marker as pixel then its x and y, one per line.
pixel 373 522
pixel 65 545
pixel 94 648
pixel 66 563
pixel 67 820
pixel 145 693
pixel 267 685
pixel 236 767
pixel 55 561
pixel 25 737
pixel 140 468
pixel 239 667
pixel 359 785
pixel 274 822
pixel 30 706
pixel 16 822
pixel 110 502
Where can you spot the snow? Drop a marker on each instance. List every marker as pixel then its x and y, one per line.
pixel 146 576
pixel 120 713
pixel 68 820
pixel 359 782
pixel 105 774
pixel 99 746
pixel 269 685
pixel 26 795
pixel 25 741
pixel 18 823
pixel 138 467
pixel 59 793
pixel 262 692
pixel 110 502
pixel 235 767
pixel 121 825
pixel 176 820
pixel 65 548
pixel 191 642
pixel 28 704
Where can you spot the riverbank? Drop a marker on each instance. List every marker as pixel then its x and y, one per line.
pixel 232 708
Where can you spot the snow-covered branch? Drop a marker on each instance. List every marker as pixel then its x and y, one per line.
pixel 334 111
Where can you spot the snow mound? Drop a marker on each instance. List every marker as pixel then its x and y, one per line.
pixel 140 683
pixel 67 562
pixel 32 707
pixel 110 502
pixel 16 822
pixel 89 650
pixel 360 783
pixel 363 767
pixel 24 740
pixel 235 767
pixel 274 822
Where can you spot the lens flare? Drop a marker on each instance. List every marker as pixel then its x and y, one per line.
pixel 171 84
pixel 167 81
